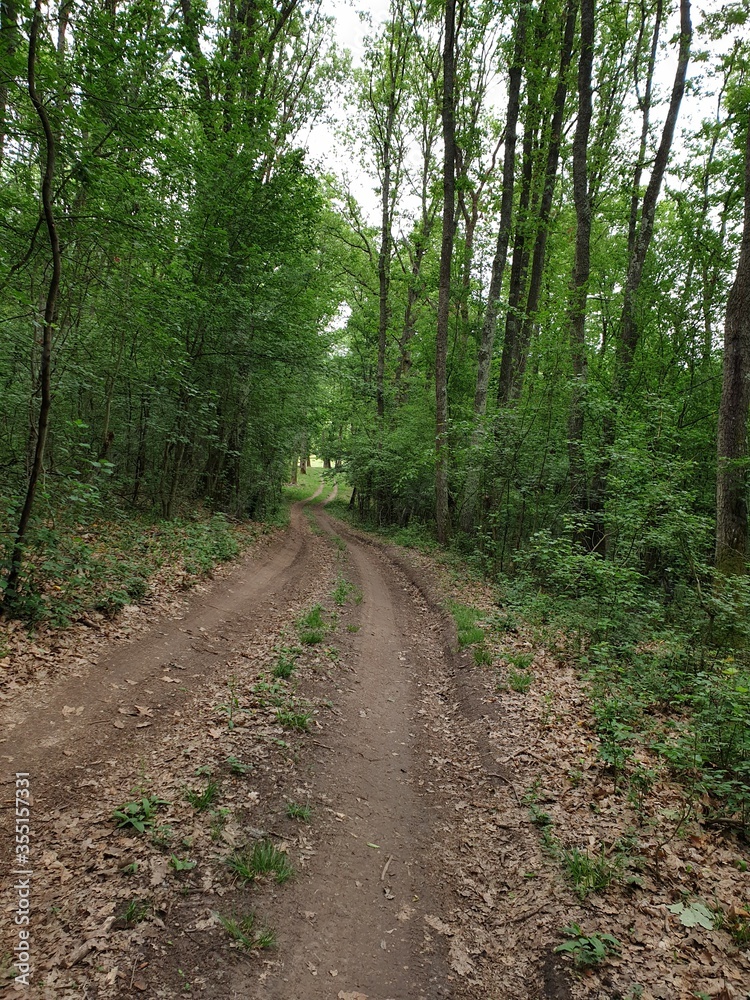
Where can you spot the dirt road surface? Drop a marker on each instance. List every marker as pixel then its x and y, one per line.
pixel 384 762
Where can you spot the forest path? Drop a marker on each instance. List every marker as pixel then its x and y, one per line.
pixel 391 765
pixel 39 727
pixel 353 923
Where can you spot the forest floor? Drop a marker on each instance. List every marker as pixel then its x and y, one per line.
pixel 312 709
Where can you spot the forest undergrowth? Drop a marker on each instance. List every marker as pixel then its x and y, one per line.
pixel 663 706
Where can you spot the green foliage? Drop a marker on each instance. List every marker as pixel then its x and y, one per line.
pixel 588 951
pixel 295 810
pixel 591 873
pixel 262 858
pixel 201 799
pixel 294 719
pixel 237 767
pixel 284 666
pixel 482 656
pixel 312 627
pixel 136 911
pixel 344 590
pixel 466 618
pixel 695 914
pixel 246 932
pixel 100 564
pixel 181 864
pixel 140 814
pixel 519 681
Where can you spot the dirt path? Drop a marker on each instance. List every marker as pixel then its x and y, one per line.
pixel 38 729
pixel 355 923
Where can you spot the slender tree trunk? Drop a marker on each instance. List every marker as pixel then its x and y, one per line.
pixel 519 267
pixel 521 346
pixel 50 314
pixel 732 473
pixel 630 332
pixel 384 270
pixel 489 323
pixel 581 269
pixel 442 513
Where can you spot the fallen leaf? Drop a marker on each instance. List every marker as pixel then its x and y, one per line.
pixel 459 959
pixel 118 724
pixel 438 925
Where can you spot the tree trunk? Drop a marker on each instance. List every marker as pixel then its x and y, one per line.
pixel 732 476
pixel 489 323
pixel 630 331
pixel 521 347
pixel 50 314
pixel 520 265
pixel 581 269
pixel 442 513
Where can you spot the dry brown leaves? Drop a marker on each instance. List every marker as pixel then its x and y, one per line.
pixel 498 754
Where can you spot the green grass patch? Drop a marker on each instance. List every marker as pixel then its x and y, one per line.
pixel 311 626
pixel 201 799
pixel 293 719
pixel 284 666
pixel 466 619
pixel 263 858
pixel 296 810
pixel 247 932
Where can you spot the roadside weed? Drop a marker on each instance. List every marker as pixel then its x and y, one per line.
pixel 237 767
pixel 200 800
pixel 231 706
pixel 284 667
pixel 162 836
pixel 292 719
pixel 466 628
pixel 219 819
pixel 520 681
pixel 136 911
pixel 589 873
pixel 181 864
pixel 343 590
pixel 139 814
pixel 311 627
pixel 262 858
pixel 246 933
pixel 295 810
pixel 522 661
pixel 587 951
pixel 482 656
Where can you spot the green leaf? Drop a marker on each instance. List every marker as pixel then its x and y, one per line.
pixel 696 914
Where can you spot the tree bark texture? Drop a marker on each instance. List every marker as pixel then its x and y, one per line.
pixel 732 474
pixel 581 269
pixel 50 313
pixel 442 513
